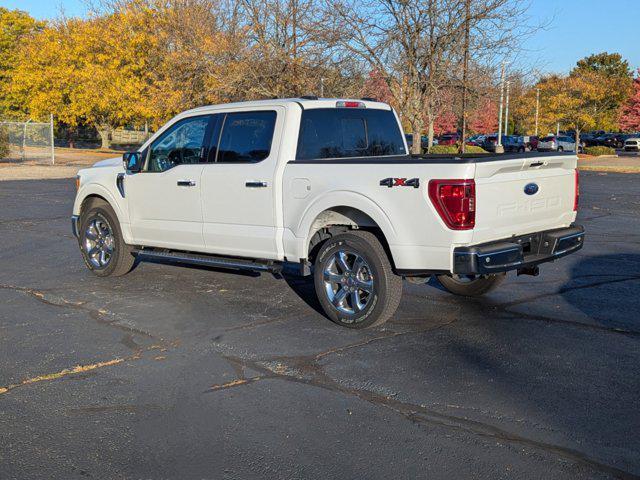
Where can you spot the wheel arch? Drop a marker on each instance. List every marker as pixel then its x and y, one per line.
pixel 93 191
pixel 335 214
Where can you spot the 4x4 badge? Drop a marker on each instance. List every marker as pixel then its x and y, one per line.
pixel 400 182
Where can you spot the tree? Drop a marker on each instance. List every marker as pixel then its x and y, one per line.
pixel 16 28
pixel 91 71
pixel 614 71
pixel 484 119
pixel 608 64
pixel 576 101
pixel 630 112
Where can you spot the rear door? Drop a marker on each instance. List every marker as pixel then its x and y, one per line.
pixel 520 196
pixel 164 198
pixel 238 198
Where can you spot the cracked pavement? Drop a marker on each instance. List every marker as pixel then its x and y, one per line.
pixel 184 372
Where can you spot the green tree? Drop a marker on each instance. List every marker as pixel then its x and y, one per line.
pixel 611 70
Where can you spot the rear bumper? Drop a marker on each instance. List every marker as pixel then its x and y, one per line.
pixel 517 252
pixel 75 221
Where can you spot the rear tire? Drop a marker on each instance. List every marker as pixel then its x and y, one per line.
pixel 471 286
pixel 560 149
pixel 101 243
pixel 354 280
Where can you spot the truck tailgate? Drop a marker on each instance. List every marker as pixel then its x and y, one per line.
pixel 504 207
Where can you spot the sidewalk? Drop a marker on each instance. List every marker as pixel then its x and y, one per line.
pixel 67 163
pixel 626 164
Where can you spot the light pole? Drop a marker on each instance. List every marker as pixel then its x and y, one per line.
pixel 506 111
pixel 537 108
pixel 499 147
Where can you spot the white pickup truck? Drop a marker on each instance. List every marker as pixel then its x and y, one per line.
pixel 327 186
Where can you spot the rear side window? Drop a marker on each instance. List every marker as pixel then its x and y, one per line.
pixel 344 132
pixel 246 137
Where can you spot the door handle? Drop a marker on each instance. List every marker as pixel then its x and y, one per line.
pixel 186 183
pixel 255 184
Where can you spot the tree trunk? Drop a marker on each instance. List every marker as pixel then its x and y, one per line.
pixel 416 130
pixel 431 133
pixel 577 140
pixel 104 131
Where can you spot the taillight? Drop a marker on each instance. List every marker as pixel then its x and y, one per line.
pixel 349 104
pixel 455 202
pixel 576 198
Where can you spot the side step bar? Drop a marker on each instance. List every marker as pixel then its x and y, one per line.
pixel 210 260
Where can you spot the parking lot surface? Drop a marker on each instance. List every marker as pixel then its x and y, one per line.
pixel 182 372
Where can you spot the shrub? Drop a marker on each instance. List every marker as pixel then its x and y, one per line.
pixel 453 149
pixel 596 151
pixel 4 143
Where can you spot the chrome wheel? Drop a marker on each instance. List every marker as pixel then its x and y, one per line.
pixel 99 243
pixel 348 282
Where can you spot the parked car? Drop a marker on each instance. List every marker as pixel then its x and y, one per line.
pixel 632 144
pixel 448 139
pixel 531 141
pixel 491 142
pixel 225 186
pixel 476 140
pixel 558 144
pixel 424 141
pixel 520 143
pixel 613 140
pixel 589 139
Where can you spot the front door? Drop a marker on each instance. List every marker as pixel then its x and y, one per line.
pixel 238 191
pixel 164 198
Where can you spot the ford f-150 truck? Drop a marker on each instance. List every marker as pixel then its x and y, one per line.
pixel 328 186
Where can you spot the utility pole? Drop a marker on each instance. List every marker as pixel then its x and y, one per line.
pixel 465 68
pixel 499 147
pixel 53 147
pixel 537 108
pixel 506 111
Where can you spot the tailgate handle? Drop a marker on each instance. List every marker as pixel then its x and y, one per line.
pixel 536 164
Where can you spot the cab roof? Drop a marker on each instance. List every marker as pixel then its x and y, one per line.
pixel 306 103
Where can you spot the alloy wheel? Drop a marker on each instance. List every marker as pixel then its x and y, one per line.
pixel 348 282
pixel 99 243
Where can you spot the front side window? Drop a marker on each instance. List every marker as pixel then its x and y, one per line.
pixel 344 132
pixel 180 144
pixel 246 137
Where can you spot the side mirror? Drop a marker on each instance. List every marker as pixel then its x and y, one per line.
pixel 132 162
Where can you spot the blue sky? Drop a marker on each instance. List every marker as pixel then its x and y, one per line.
pixel 578 28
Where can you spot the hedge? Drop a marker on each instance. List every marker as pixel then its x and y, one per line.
pixel 601 150
pixel 453 149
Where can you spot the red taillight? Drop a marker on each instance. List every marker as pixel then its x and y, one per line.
pixel 348 104
pixel 576 198
pixel 455 202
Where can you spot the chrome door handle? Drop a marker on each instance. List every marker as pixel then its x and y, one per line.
pixel 186 183
pixel 255 184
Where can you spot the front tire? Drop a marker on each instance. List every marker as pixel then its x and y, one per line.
pixel 471 285
pixel 101 243
pixel 354 281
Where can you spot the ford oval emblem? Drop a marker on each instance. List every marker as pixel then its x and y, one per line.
pixel 531 188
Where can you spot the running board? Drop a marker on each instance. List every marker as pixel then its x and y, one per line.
pixel 210 260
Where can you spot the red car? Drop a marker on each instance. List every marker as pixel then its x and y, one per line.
pixel 449 139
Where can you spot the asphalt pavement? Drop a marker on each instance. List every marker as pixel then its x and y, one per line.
pixel 176 372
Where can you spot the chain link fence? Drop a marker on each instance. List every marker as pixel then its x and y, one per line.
pixel 27 142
